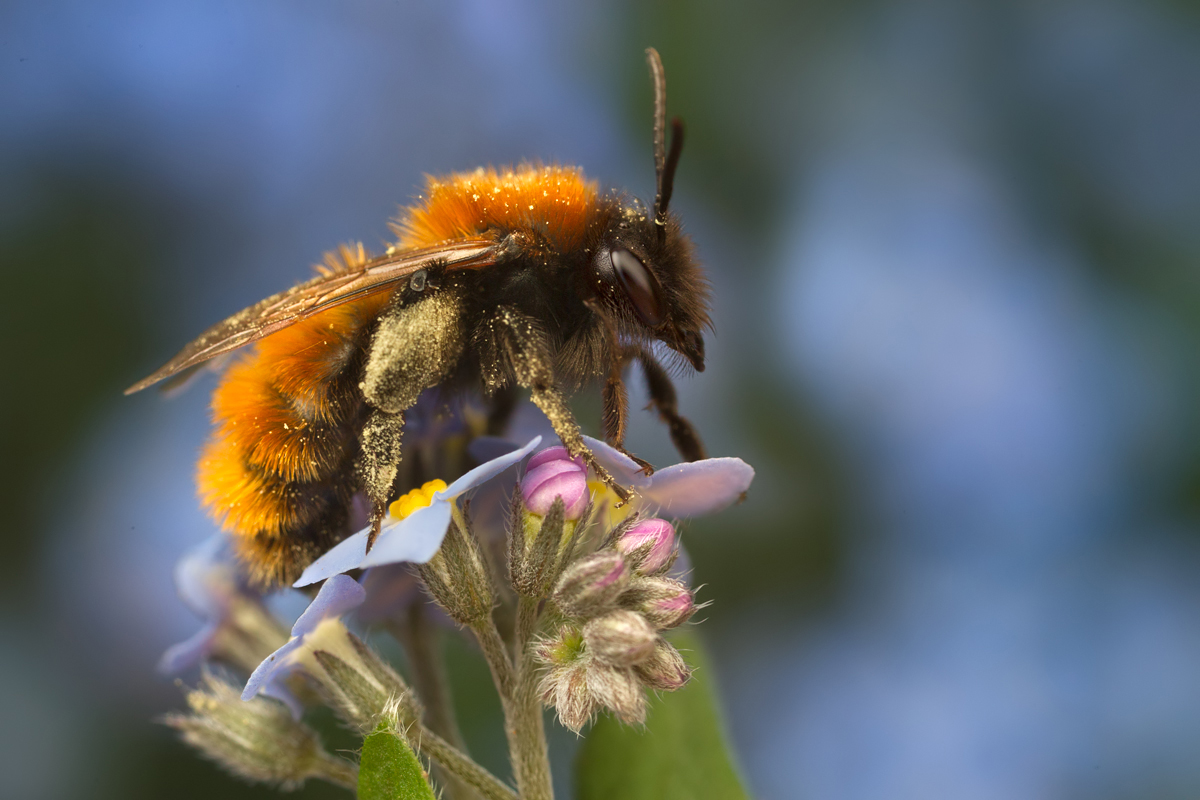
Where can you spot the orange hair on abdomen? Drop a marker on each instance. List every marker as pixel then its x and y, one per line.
pixel 276 472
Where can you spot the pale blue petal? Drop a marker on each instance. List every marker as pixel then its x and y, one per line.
pixel 340 594
pixel 417 546
pixel 343 557
pixel 267 669
pixel 415 539
pixel 623 468
pixel 698 487
pixel 486 471
pixel 185 655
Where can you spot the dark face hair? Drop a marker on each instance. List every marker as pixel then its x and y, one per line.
pixel 652 286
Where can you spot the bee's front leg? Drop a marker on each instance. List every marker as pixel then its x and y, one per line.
pixel 665 402
pixel 523 345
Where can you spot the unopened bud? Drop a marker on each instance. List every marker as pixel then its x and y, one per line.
pixel 566 689
pixel 619 690
pixel 256 740
pixel 537 558
pixel 564 649
pixel 553 473
pixel 665 603
pixel 620 638
pixel 355 681
pixel 592 584
pixel 665 669
pixel 649 546
pixel 457 576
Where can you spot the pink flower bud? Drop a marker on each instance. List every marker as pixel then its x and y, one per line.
pixel 592 584
pixel 553 473
pixel 649 545
pixel 665 669
pixel 664 603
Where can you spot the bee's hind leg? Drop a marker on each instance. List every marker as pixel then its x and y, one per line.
pixel 380 463
pixel 416 345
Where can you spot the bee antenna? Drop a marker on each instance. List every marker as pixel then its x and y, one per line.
pixel 664 162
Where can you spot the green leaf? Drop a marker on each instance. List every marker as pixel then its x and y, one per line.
pixel 389 769
pixel 680 755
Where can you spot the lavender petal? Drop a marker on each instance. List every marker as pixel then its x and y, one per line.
pixel 699 487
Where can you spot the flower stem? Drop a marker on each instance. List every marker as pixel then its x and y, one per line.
pixel 337 771
pixel 531 757
pixel 497 659
pixel 456 762
pixel 420 642
pixel 522 711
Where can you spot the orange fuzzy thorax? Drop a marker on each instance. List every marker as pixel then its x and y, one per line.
pixel 556 202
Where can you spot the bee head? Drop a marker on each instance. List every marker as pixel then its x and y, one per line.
pixel 652 284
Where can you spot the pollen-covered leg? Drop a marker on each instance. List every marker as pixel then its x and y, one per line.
pixel 665 402
pixel 379 463
pixel 525 349
pixel 416 346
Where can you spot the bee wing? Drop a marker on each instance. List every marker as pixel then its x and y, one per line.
pixel 325 291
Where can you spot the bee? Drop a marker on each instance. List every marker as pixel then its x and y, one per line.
pixel 523 278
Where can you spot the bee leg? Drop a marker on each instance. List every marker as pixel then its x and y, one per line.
pixel 665 402
pixel 525 349
pixel 414 347
pixel 616 410
pixel 380 463
pixel 615 397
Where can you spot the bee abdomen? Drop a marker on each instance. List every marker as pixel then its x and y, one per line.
pixel 278 472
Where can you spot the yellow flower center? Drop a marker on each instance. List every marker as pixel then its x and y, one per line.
pixel 606 499
pixel 416 499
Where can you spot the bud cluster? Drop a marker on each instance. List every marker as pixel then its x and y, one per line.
pixel 581 627
pixel 616 603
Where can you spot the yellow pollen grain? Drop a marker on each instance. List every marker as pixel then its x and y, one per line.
pixel 416 499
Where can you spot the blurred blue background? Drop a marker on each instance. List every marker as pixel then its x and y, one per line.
pixel 955 248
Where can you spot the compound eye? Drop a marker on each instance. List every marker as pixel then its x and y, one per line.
pixel 639 285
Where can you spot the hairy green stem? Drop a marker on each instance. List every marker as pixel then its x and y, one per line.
pixel 461 765
pixel 420 641
pixel 534 758
pixel 497 658
pixel 522 716
pixel 337 771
